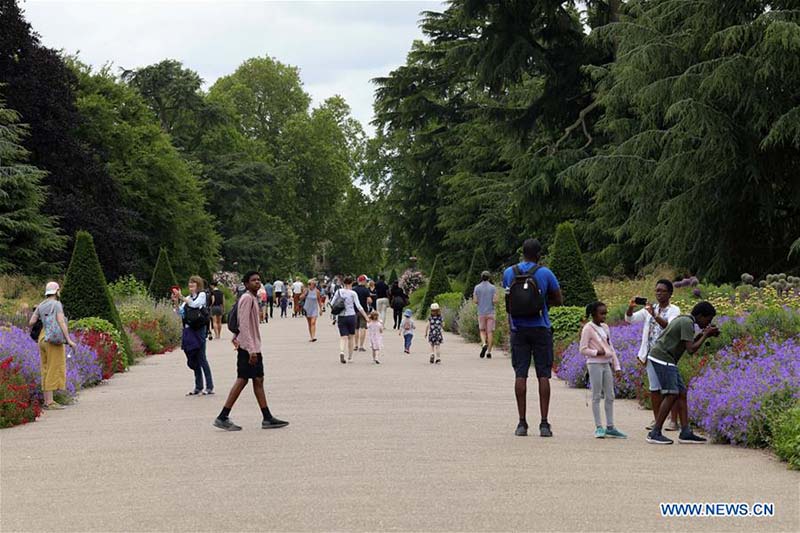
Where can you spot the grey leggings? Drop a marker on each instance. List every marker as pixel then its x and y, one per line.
pixel 601 378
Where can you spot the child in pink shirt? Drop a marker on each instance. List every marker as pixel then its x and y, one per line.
pixel 600 358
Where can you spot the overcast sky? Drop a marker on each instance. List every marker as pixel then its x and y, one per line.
pixel 338 45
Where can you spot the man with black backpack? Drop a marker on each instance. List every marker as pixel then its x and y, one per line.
pixel 530 290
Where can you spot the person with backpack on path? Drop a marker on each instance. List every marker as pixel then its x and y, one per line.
pixel 250 363
pixel 531 289
pixel 51 339
pixel 195 313
pixel 485 296
pixel 347 299
pixel 270 296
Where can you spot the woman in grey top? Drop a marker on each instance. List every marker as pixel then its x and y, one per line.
pixel 52 338
pixel 312 307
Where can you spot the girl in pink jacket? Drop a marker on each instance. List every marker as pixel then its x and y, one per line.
pixel 600 358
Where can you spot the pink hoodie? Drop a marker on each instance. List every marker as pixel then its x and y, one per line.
pixel 592 341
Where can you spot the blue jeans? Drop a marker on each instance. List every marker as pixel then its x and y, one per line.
pixel 407 338
pixel 202 365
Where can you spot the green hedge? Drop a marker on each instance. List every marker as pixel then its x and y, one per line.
pixel 567 322
pixel 786 436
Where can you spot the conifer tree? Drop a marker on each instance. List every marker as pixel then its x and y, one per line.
pixel 569 267
pixel 29 240
pixel 438 284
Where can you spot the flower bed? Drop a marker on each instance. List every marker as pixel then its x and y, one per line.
pixel 729 398
pixel 20 354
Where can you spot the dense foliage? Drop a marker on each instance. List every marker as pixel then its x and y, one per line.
pixel 438 284
pixel 646 123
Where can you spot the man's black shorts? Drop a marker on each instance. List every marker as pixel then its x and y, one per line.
pixel 532 344
pixel 245 370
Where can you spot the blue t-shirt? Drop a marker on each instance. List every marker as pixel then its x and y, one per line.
pixel 547 283
pixel 268 288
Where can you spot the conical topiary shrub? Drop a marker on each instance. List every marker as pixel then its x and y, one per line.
pixel 85 293
pixel 476 266
pixel 438 284
pixel 393 276
pixel 568 265
pixel 163 277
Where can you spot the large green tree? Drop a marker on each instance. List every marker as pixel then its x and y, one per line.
pixel 29 239
pixel 163 188
pixel 39 85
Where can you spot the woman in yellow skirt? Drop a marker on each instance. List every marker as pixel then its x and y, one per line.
pixel 51 344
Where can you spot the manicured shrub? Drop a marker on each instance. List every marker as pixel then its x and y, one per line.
pixel 477 265
pixel 567 322
pixel 438 284
pixel 567 264
pixel 786 436
pixel 163 277
pixel 104 326
pixel 85 293
pixel 392 276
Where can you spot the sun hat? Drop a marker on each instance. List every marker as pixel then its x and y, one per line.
pixel 407 312
pixel 434 306
pixel 51 288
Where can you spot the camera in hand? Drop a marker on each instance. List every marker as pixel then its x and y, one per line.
pixel 640 300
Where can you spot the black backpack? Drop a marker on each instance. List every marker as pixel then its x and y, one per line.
pixel 233 318
pixel 523 298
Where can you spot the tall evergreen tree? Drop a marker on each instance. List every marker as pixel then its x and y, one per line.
pixel 29 240
pixel 41 88
pixel 438 284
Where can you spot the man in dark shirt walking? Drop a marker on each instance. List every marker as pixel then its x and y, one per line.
pixel 365 300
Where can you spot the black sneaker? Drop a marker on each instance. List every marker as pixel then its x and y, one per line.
pixel 226 424
pixel 431 361
pixel 488 355
pixel 544 430
pixel 658 438
pixel 691 438
pixel 273 423
pixel 341 359
pixel 483 351
pixel 522 430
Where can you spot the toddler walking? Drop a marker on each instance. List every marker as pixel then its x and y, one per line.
pixel 375 332
pixel 433 332
pixel 407 328
pixel 600 356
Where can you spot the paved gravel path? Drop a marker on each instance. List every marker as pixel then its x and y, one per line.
pixel 401 446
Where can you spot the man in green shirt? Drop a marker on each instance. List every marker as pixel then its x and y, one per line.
pixel 675 340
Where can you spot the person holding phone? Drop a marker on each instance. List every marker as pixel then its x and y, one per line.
pixel 677 339
pixel 655 318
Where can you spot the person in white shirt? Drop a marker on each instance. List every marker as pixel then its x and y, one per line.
pixel 297 290
pixel 346 319
pixel 655 317
pixel 278 290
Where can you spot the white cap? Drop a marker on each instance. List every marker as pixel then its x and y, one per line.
pixel 51 288
pixel 434 306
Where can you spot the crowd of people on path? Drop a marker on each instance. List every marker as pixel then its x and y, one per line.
pixel 359 313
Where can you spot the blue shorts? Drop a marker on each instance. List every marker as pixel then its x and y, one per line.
pixel 669 378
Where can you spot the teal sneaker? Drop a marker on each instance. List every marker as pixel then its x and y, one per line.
pixel 614 433
pixel 600 432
